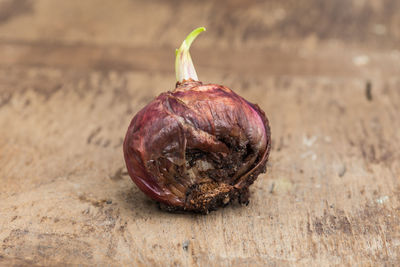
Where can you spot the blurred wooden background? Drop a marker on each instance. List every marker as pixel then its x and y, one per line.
pixel 73 74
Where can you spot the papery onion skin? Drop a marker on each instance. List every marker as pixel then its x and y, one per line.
pixel 198 147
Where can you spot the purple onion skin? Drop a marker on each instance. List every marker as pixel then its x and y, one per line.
pixel 197 148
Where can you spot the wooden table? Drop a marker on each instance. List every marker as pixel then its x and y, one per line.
pixel 73 74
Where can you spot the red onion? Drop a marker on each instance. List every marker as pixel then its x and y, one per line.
pixel 198 147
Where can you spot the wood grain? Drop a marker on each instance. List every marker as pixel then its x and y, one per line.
pixel 73 74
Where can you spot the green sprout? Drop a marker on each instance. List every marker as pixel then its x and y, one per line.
pixel 184 68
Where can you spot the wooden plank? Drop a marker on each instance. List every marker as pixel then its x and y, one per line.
pixel 331 194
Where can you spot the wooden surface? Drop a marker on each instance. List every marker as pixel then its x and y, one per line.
pixel 73 74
